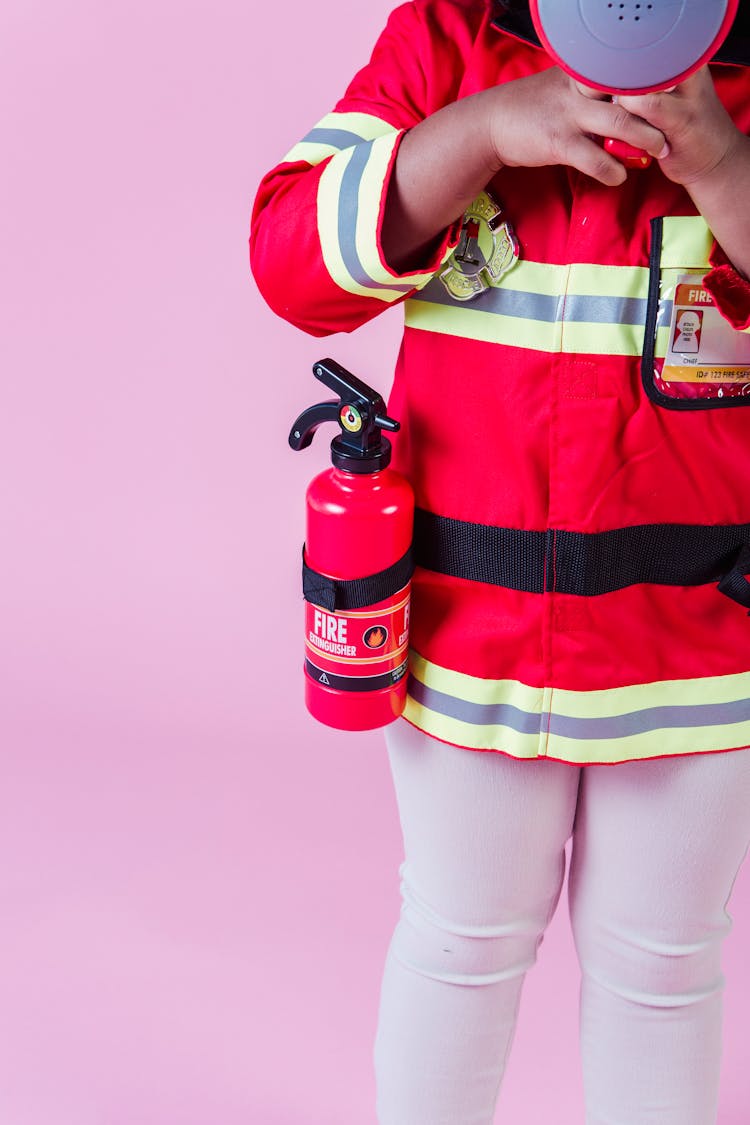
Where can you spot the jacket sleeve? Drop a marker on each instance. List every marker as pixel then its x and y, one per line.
pixel 315 246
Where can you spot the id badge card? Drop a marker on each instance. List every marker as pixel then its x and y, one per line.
pixel 706 357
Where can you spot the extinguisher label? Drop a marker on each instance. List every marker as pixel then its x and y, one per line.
pixel 361 645
pixel 356 683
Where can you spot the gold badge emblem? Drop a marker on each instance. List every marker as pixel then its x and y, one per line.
pixel 487 248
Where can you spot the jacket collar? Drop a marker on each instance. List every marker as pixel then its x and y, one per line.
pixel 514 17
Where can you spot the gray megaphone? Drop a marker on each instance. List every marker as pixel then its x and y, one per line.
pixel 624 47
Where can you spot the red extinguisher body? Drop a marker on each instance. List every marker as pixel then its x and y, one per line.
pixel 358 525
pixel 357 561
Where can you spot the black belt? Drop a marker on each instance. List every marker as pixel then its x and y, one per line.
pixel 587 563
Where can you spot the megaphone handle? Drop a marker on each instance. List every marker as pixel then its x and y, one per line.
pixel 628 155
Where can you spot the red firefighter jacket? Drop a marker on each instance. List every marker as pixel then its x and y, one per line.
pixel 581 489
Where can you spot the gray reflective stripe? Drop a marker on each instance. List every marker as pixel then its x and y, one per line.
pixel 336 138
pixel 542 307
pixel 651 719
pixel 565 726
pixel 347 227
pixel 509 302
pixel 605 310
pixel 478 714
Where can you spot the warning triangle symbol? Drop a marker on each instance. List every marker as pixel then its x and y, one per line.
pixel 324 679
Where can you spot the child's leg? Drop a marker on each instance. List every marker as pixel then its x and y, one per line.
pixel 656 848
pixel 484 840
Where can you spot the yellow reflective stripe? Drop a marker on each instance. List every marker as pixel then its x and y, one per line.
pixel 311 152
pixel 520 332
pixel 513 696
pixel 371 188
pixel 367 126
pixel 579 279
pixel 582 307
pixel 657 743
pixel 350 194
pixel 661 346
pixel 474 688
pixel 329 204
pixel 535 277
pixel 686 243
pixel 662 693
pixel 619 724
pixel 539 333
pixel 491 328
pixel 608 281
pixel 585 704
pixel 447 729
pixel 336 132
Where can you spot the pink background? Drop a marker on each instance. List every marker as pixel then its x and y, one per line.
pixel 197 883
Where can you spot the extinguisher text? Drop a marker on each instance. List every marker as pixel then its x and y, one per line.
pixel 329 634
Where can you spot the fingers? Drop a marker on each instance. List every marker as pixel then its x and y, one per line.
pixel 664 108
pixel 654 108
pixel 590 158
pixel 699 129
pixel 614 119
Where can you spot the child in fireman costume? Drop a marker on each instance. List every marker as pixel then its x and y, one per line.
pixel 581 642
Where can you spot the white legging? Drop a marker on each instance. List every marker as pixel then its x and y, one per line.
pixel 656 848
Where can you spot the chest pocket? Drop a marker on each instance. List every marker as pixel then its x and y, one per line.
pixel 692 357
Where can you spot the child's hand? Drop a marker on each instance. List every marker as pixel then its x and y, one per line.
pixel 700 133
pixel 548 119
pixel 447 159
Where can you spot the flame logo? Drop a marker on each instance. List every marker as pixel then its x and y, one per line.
pixel 376 636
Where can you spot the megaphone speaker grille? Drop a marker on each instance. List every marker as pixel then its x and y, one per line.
pixel 629 26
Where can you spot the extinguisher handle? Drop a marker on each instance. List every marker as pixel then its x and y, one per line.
pixel 353 391
pixel 628 155
pixel 305 426
pixel 347 386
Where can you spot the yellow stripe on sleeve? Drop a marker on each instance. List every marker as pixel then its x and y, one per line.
pixel 335 133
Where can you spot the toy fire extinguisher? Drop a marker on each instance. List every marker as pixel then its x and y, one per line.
pixel 357 562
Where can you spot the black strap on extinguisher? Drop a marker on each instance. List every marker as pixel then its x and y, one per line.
pixel 338 594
